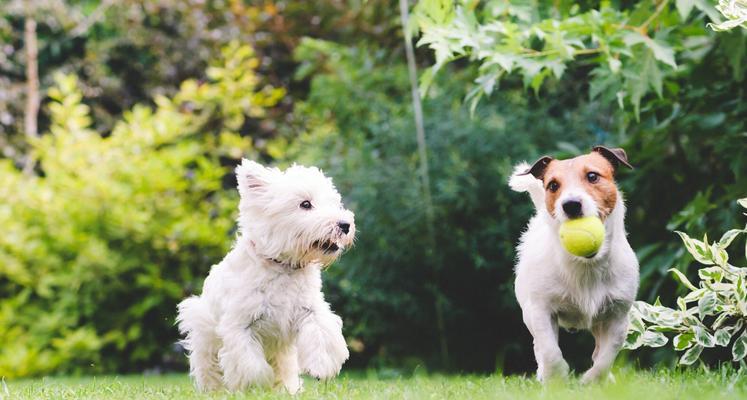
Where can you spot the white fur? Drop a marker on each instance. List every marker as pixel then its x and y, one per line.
pixel 262 318
pixel 555 288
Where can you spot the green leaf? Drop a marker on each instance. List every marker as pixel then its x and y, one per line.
pixel 654 339
pixel 699 250
pixel 681 304
pixel 707 304
pixel 707 7
pixel 740 288
pixel 682 278
pixel 719 255
pixel 684 7
pixel 664 328
pixel 691 355
pixel 683 340
pixel 633 340
pixel 694 295
pixel 702 336
pixel 714 274
pixel 661 50
pixel 729 237
pixel 720 320
pixel 636 322
pixel 739 350
pixel 728 25
pixel 722 336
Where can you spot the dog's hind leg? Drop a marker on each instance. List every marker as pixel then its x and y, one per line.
pixel 203 361
pixel 196 322
pixel 609 336
pixel 286 369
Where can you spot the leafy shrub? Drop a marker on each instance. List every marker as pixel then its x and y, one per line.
pixel 710 314
pixel 629 47
pixel 735 12
pixel 100 245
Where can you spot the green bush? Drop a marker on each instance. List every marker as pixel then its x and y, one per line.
pixel 102 242
pixel 709 315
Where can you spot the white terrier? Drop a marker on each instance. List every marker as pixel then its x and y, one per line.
pixel 262 319
pixel 555 288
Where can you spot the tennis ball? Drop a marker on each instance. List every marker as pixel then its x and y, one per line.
pixel 582 236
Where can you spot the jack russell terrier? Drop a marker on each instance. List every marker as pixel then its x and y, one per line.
pixel 555 288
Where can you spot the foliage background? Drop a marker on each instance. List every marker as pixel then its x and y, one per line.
pixel 131 198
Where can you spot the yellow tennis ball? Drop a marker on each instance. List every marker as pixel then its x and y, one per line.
pixel 582 236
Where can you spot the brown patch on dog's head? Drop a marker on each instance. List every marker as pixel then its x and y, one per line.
pixel 593 172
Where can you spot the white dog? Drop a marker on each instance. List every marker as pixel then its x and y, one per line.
pixel 262 319
pixel 555 288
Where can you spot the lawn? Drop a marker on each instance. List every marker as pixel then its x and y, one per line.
pixel 629 384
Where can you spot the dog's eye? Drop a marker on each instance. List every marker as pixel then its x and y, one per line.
pixel 592 177
pixel 306 205
pixel 553 186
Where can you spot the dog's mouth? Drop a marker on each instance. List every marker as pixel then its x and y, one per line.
pixel 326 246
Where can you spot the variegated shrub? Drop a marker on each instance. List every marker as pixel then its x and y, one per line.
pixel 711 314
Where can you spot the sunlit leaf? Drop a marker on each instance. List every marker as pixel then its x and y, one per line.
pixel 683 340
pixel 739 349
pixel 729 237
pixel 654 339
pixel 702 336
pixel 722 336
pixel 691 355
pixel 684 7
pixel 707 304
pixel 682 278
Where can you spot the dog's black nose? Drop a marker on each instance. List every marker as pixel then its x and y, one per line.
pixel 344 227
pixel 572 208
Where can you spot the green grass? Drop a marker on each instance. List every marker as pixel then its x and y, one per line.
pixel 629 384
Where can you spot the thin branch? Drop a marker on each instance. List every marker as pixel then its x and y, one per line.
pixel 32 85
pixel 32 77
pixel 425 177
pixel 644 27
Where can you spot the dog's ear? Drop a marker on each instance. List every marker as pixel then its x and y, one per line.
pixel 252 176
pixel 539 167
pixel 616 157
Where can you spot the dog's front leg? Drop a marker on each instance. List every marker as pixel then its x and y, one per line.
pixel 287 370
pixel 242 357
pixel 321 347
pixel 544 328
pixel 609 335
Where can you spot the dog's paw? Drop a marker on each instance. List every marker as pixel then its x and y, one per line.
pixel 323 368
pixel 207 383
pixel 555 370
pixel 321 347
pixel 292 385
pixel 594 375
pixel 324 361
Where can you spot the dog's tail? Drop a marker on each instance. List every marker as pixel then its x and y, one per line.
pixel 194 317
pixel 520 181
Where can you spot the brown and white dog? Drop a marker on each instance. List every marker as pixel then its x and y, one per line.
pixel 555 288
